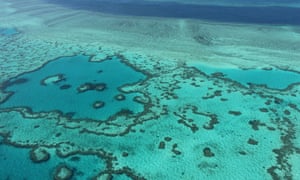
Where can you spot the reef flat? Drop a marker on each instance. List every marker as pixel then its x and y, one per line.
pixel 199 124
pixel 87 95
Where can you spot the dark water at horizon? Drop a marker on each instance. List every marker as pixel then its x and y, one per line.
pixel 282 15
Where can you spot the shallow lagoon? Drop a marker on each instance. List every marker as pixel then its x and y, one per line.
pixel 272 78
pixel 18 164
pixel 56 86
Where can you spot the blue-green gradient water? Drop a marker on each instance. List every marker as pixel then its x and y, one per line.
pixel 87 113
pixel 258 12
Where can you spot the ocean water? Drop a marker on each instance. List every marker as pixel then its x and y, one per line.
pixel 84 93
pixel 239 14
pixel 8 31
pixel 272 78
pixel 32 89
pixel 17 164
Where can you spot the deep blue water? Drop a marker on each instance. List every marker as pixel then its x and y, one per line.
pixel 241 14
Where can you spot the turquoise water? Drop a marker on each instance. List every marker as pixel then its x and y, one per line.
pixel 104 109
pixel 275 78
pixel 16 164
pixel 8 31
pixel 192 122
pixel 63 95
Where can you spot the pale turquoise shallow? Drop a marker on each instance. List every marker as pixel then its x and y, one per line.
pixel 273 78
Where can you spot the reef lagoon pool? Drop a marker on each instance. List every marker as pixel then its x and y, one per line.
pixel 76 87
pixel 18 163
pixel 272 78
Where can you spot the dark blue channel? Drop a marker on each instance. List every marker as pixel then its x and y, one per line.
pixel 281 15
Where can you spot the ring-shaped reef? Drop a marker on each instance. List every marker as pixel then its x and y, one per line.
pixel 74 86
